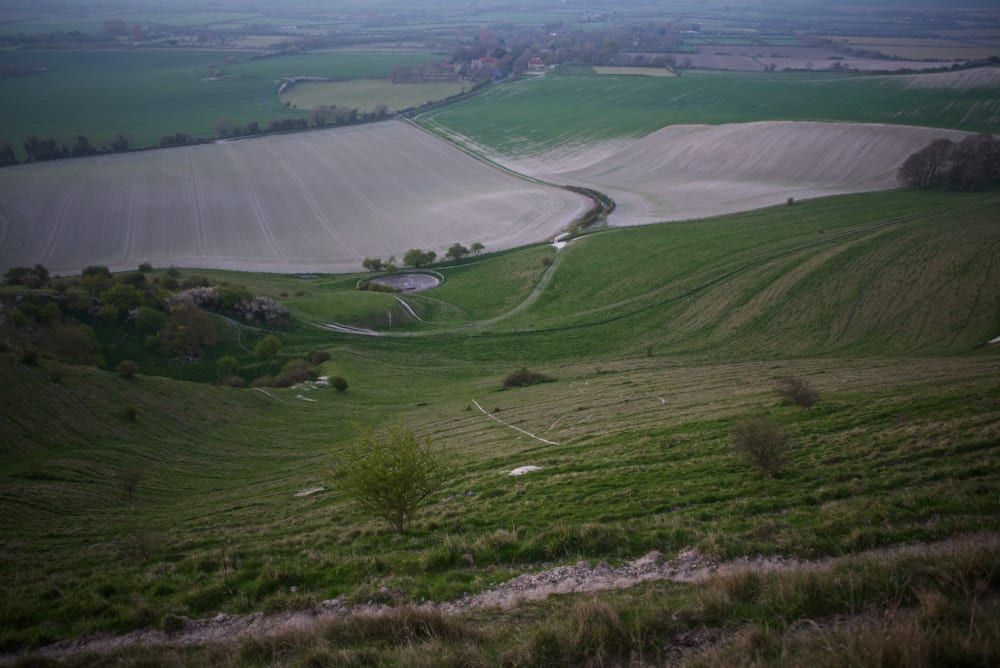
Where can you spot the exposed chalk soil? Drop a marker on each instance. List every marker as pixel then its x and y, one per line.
pixel 689 566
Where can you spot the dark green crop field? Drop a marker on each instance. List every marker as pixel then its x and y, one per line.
pixel 149 94
pixel 532 115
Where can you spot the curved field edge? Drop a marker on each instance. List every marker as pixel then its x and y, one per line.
pixel 686 172
pixel 317 202
pixel 899 272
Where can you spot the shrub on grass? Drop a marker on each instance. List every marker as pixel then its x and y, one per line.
pixel 389 474
pixel 233 380
pixel 797 391
pixel 523 377
pixel 127 369
pixel 762 443
pixel 268 347
pixel 338 383
pixel 318 357
pixel 295 371
pixel 226 366
pixel 29 356
pixel 263 381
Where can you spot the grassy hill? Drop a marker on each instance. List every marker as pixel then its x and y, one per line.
pixel 126 501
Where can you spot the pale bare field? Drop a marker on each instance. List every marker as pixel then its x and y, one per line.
pixel 756 58
pixel 634 71
pixel 316 201
pixel 695 171
pixel 367 94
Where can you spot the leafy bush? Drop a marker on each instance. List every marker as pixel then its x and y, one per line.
pixel 233 380
pixel 145 267
pixel 523 377
pixel 763 443
pixel 389 474
pixel 797 391
pixel 317 357
pixel 295 371
pixel 227 365
pixel 149 320
pixel 267 348
pixel 338 383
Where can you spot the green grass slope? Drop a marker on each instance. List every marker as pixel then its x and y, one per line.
pixel 658 339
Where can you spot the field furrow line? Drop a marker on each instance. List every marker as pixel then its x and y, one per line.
pixel 201 233
pixel 257 208
pixel 4 226
pixel 58 222
pixel 346 180
pixel 307 197
pixel 975 303
pixel 134 191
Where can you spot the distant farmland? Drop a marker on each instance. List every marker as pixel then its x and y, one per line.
pixel 536 115
pixel 318 201
pixel 149 94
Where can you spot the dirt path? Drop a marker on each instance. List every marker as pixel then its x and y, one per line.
pixel 688 566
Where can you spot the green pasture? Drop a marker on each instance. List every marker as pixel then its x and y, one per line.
pixel 367 94
pixel 535 114
pixel 149 94
pixel 658 339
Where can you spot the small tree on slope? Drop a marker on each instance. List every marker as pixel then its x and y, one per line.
pixel 389 474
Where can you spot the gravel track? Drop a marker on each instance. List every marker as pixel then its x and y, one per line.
pixel 689 566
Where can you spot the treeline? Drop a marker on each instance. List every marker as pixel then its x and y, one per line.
pixel 38 149
pixel 943 164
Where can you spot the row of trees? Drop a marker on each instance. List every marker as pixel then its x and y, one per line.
pixel 416 257
pixel 38 149
pixel 943 164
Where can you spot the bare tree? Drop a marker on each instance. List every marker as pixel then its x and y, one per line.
pixel 922 170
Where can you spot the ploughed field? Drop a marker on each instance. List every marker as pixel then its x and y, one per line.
pixel 319 201
pixel 694 171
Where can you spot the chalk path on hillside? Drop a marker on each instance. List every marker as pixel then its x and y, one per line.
pixel 689 566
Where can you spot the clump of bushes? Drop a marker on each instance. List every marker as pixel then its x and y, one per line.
pixel 338 383
pixel 524 377
pixel 233 380
pixel 317 357
pixel 763 444
pixel 372 286
pixel 797 391
pixel 295 371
